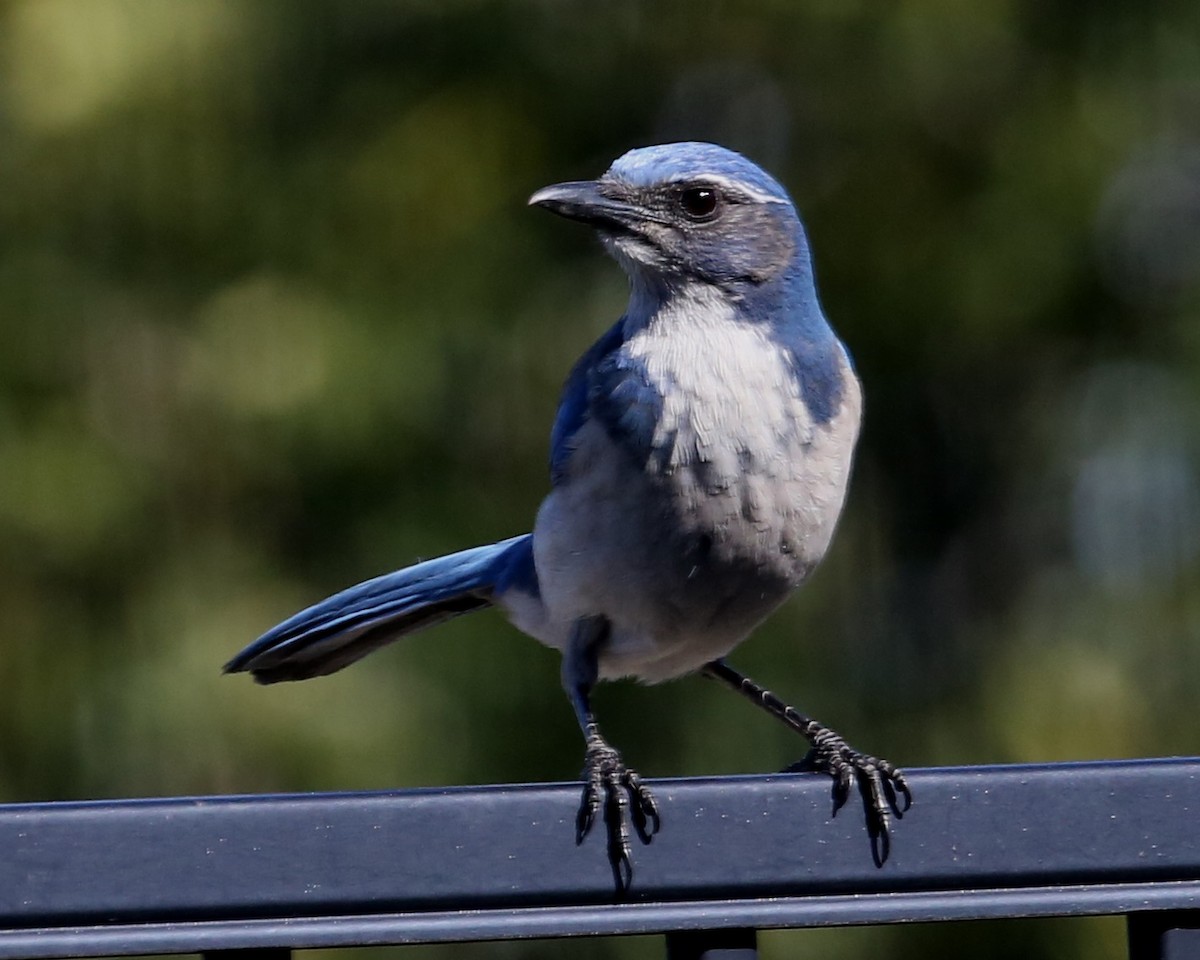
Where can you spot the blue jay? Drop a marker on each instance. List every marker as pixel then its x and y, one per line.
pixel 699 460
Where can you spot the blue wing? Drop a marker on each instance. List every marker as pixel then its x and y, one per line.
pixel 615 389
pixel 576 393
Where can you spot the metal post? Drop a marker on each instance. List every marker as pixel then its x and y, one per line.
pixel 740 943
pixel 1164 935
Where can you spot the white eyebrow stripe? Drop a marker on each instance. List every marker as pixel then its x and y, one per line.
pixel 735 186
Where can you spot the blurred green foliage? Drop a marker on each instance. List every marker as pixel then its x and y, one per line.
pixel 274 318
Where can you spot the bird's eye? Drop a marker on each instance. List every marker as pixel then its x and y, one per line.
pixel 699 203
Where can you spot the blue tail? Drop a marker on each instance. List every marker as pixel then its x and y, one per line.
pixel 349 625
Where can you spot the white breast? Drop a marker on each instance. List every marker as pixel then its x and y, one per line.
pixel 741 468
pixel 746 457
pixel 727 393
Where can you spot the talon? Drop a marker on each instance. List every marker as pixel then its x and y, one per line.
pixel 881 847
pixel 649 813
pixel 609 783
pixel 871 789
pixel 880 786
pixel 623 875
pixel 889 793
pixel 843 780
pixel 615 803
pixel 644 809
pixel 588 805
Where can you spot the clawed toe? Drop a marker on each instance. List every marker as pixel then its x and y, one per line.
pixel 643 806
pixel 882 787
pixel 609 784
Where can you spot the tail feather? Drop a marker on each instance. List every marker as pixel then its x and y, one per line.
pixel 347 626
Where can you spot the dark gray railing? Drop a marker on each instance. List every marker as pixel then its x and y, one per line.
pixel 736 855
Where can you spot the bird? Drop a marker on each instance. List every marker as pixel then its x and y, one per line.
pixel 699 462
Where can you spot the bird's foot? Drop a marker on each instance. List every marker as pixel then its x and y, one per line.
pixel 608 783
pixel 881 785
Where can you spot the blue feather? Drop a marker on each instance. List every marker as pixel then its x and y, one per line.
pixel 573 405
pixel 626 401
pixel 341 629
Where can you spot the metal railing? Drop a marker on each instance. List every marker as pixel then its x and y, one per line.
pixel 736 855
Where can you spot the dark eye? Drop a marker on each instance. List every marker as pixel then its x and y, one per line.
pixel 699 203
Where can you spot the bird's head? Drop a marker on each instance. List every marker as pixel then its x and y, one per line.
pixel 684 212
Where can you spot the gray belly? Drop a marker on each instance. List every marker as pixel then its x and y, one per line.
pixel 683 568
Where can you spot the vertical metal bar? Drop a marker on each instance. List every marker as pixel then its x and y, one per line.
pixel 740 943
pixel 1145 936
pixel 1164 935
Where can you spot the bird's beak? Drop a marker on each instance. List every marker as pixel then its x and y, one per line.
pixel 585 201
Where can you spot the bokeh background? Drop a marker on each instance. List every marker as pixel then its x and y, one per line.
pixel 274 318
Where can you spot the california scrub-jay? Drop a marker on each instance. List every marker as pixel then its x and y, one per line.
pixel 698 462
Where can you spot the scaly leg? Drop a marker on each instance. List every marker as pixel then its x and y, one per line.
pixel 880 783
pixel 607 782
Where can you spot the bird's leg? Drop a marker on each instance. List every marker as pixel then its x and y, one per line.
pixel 880 783
pixel 607 782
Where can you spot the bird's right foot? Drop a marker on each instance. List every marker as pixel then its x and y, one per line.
pixel 609 784
pixel 882 786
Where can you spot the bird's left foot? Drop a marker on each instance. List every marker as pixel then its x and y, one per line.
pixel 609 784
pixel 881 785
